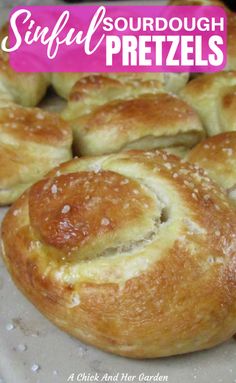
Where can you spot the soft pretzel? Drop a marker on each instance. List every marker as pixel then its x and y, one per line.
pixel 172 82
pixel 26 89
pixel 64 82
pixel 32 142
pixel 217 155
pixel 135 117
pixel 213 96
pixel 95 90
pixel 125 253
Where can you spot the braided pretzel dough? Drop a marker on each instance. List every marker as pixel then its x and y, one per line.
pixel 124 253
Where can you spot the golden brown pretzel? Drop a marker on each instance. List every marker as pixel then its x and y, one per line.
pixel 32 142
pixel 96 90
pixel 125 253
pixel 108 116
pixel 26 89
pixel 213 96
pixel 217 155
pixel 64 82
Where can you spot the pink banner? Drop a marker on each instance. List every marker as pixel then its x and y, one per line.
pixel 117 39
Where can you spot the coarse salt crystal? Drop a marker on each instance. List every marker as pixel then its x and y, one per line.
pixel 65 209
pixel 21 347
pixel 54 189
pixel 35 367
pixel 232 194
pixel 75 301
pixel 105 222
pixel 10 327
pixel 168 166
pixel 193 226
pixel 81 351
pixel 229 151
pixel 210 260
pixel 95 167
pixel 40 116
pixel 124 182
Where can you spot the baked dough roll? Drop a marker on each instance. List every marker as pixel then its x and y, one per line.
pixel 32 142
pixel 217 155
pixel 5 98
pixel 95 90
pixel 213 96
pixel 172 82
pixel 26 89
pixel 133 253
pixel 149 121
pixel 64 82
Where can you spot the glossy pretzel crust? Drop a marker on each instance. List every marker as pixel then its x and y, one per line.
pixel 133 253
pixel 217 155
pixel 108 116
pixel 64 82
pixel 26 89
pixel 213 96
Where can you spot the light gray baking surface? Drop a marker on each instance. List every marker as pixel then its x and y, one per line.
pixel 28 340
